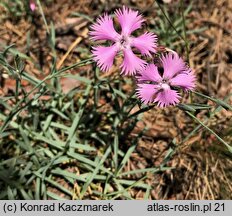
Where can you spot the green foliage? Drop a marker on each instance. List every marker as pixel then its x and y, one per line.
pixel 41 139
pixel 15 8
pixel 170 25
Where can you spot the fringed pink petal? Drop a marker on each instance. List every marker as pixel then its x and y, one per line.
pixel 103 29
pixel 167 97
pixel 149 73
pixel 172 65
pixel 185 80
pixel 146 43
pixel 129 20
pixel 131 63
pixel 104 56
pixel 146 92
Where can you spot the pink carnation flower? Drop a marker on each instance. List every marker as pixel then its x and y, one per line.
pixel 32 5
pixel 129 21
pixel 162 88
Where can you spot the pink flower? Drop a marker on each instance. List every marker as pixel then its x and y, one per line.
pixel 155 86
pixel 129 21
pixel 32 5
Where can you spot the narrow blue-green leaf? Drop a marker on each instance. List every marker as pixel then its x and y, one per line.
pixel 148 192
pixel 211 131
pixel 116 151
pixel 123 191
pixel 43 16
pixel 54 183
pixel 151 170
pixel 82 147
pixel 82 79
pixel 26 143
pixel 99 164
pixel 37 189
pixel 59 125
pixel 126 158
pixel 25 195
pixel 26 170
pixel 54 196
pixel 47 122
pixel 52 143
pixel 10 193
pixel 62 115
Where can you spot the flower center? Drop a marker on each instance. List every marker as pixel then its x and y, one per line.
pixel 164 85
pixel 124 42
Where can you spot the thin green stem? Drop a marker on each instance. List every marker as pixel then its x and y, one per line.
pixel 217 101
pixel 141 111
pixel 199 126
pixel 184 28
pixel 169 21
pixel 17 107
pixel 211 131
pixel 202 95
pixel 42 13
pixel 58 73
pixel 84 62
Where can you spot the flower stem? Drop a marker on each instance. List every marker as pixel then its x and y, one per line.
pixel 141 111
pixel 184 28
pixel 211 131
